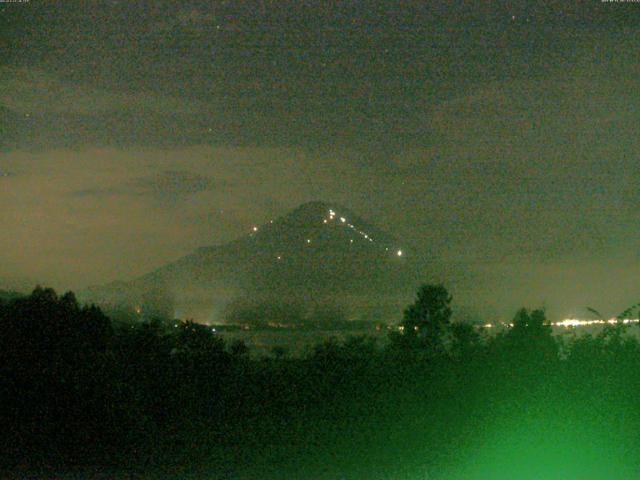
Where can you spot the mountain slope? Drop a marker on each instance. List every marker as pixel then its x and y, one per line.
pixel 318 252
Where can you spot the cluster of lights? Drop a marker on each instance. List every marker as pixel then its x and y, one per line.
pixel 566 323
pixel 342 220
pixel 366 236
pixel 575 322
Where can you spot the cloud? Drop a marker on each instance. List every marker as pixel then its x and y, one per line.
pixel 524 173
pixel 77 217
pixel 28 90
pixel 168 186
pixel 176 183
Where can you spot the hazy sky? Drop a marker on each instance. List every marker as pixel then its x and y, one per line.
pixel 498 138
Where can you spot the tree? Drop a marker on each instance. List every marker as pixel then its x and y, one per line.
pixel 531 337
pixel 465 340
pixel 239 348
pixel 428 319
pixel 531 325
pixel 44 328
pixel 196 338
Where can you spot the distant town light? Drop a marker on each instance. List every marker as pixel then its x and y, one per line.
pixel 255 229
pixel 399 253
pixel 342 219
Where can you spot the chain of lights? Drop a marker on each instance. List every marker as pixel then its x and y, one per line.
pixel 575 322
pixel 342 221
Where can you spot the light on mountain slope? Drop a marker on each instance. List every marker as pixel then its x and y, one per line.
pixel 343 221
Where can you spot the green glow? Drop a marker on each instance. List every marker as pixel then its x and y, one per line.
pixel 547 444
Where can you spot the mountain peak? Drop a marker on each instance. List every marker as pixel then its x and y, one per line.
pixel 315 208
pixel 325 222
pixel 317 250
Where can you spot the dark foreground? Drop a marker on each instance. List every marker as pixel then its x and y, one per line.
pixel 83 398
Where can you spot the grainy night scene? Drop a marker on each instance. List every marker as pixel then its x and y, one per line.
pixel 320 240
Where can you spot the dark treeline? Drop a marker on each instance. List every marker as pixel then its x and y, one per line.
pixel 439 399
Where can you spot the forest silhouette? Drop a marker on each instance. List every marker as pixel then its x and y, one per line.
pixel 437 400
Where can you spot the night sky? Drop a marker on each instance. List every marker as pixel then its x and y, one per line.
pixel 499 141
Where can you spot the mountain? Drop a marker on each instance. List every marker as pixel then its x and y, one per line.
pixel 319 253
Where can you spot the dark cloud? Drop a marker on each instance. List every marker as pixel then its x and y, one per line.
pixel 168 186
pixel 494 138
pixel 178 183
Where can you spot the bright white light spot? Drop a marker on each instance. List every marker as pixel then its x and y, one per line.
pixel 399 253
pixel 279 257
pixel 255 229
pixel 342 219
pixel 351 240
pixel 324 221
pixel 308 240
pixel 574 322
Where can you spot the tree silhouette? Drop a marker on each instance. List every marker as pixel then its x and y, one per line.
pixel 427 320
pixel 532 325
pixel 194 337
pixel 530 338
pixel 464 340
pixel 239 348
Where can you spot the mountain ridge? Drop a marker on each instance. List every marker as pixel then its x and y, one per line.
pixel 319 251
